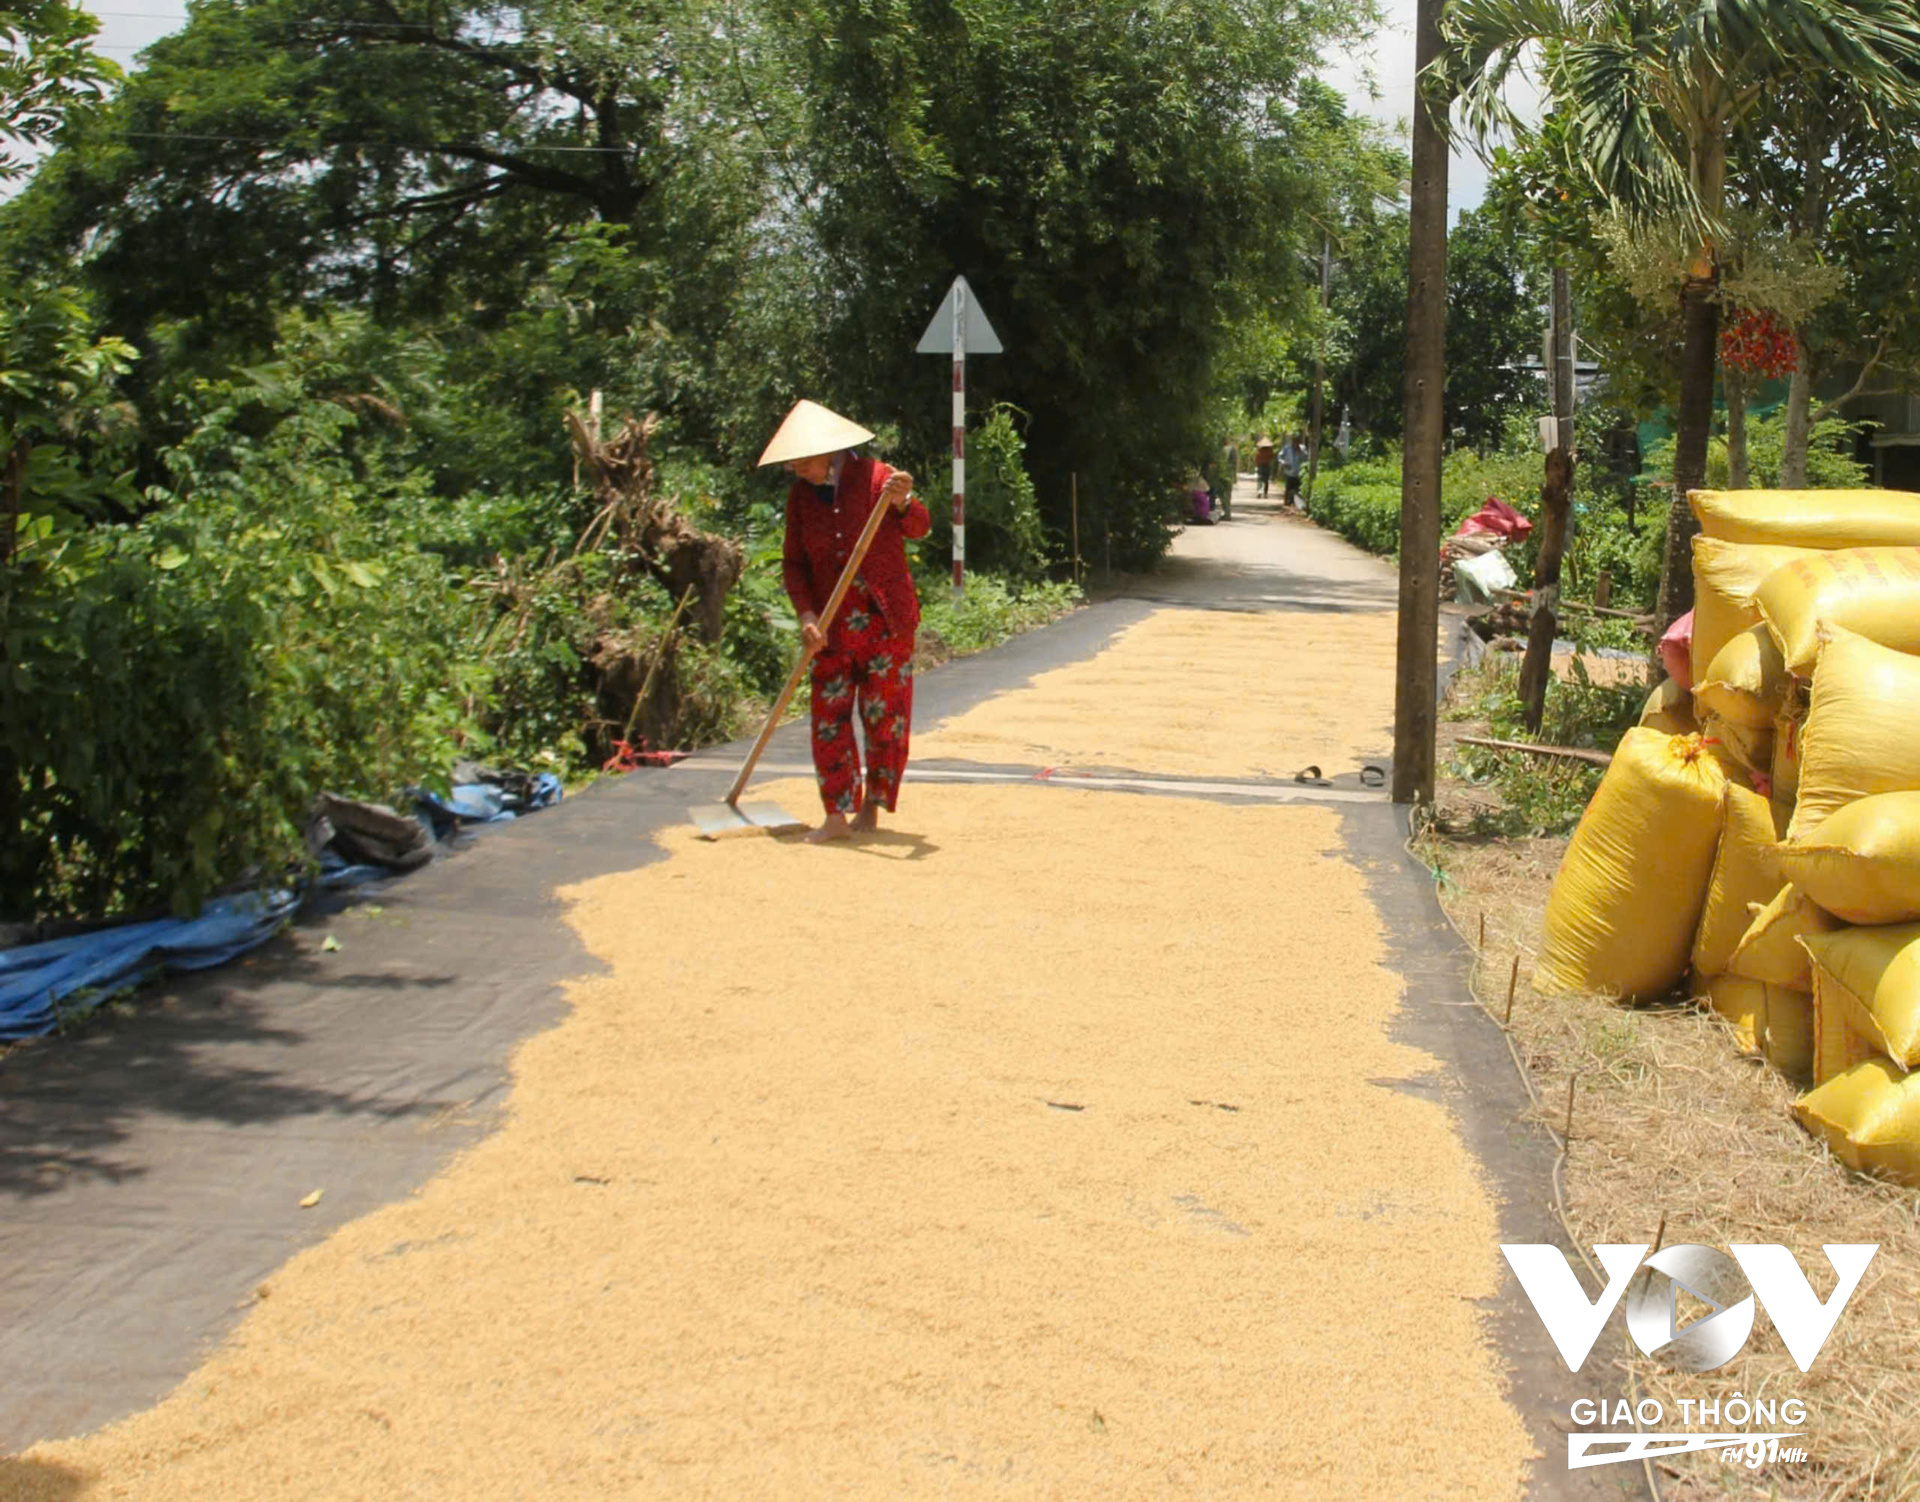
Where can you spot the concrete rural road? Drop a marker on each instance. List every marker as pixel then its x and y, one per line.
pixel 1114 1124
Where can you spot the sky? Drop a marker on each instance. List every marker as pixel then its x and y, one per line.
pixel 128 25
pixel 1390 61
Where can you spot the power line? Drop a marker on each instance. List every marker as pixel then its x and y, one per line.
pixel 186 135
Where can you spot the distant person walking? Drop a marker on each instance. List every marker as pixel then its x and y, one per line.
pixel 1293 460
pixel 1263 462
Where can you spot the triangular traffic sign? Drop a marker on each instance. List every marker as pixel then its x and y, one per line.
pixel 938 339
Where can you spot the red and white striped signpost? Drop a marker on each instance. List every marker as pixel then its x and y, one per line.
pixel 958 326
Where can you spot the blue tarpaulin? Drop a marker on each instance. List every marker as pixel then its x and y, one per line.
pixel 486 802
pixel 35 979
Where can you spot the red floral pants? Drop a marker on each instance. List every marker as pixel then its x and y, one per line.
pixel 867 668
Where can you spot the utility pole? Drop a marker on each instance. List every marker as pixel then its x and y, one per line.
pixel 1555 494
pixel 1414 708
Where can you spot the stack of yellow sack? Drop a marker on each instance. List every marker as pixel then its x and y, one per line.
pixel 1761 833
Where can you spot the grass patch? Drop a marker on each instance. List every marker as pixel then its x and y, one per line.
pixel 992 611
pixel 1533 795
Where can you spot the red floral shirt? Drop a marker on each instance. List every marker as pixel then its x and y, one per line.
pixel 821 535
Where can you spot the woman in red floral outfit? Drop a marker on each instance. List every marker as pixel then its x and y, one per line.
pixel 864 660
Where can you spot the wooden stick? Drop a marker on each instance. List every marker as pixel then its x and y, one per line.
pixel 659 656
pixel 1483 932
pixel 1580 605
pixel 1513 984
pixel 1566 753
pixel 872 529
pixel 1567 1131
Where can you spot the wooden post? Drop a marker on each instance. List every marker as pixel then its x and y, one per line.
pixel 1537 666
pixel 1603 589
pixel 1415 711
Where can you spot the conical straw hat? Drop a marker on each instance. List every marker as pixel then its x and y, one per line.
pixel 811 429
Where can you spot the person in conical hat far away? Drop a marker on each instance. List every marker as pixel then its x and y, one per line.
pixel 863 661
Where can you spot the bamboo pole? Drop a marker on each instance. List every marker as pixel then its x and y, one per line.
pixel 1565 753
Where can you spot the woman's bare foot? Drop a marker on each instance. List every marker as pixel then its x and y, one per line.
pixel 867 820
pixel 834 828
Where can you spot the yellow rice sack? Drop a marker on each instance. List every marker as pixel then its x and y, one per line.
pixel 1863 729
pixel 1746 683
pixel 1726 577
pixel 1870 1116
pixel 1769 1020
pixel 1745 751
pixel 1743 1003
pixel 1746 873
pixel 1842 1036
pixel 1669 709
pixel 1770 950
pixel 1873 592
pixel 1626 901
pixel 1863 863
pixel 1788 1038
pixel 1809 518
pixel 1870 978
pixel 1789 739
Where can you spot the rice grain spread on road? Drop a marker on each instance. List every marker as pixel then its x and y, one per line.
pixel 1046 1145
pixel 1201 693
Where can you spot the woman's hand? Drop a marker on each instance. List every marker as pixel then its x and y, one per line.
pixel 810 634
pixel 898 491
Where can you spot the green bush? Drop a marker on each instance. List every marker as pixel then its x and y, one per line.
pixel 257 639
pixel 991 611
pixel 1539 796
pixel 1361 500
pixel 1830 461
pixel 1004 532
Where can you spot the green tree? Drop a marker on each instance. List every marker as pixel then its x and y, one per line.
pixel 48 72
pixel 1838 180
pixel 425 164
pixel 1494 292
pixel 1114 183
pixel 1652 95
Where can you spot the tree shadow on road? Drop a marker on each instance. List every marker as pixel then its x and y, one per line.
pixel 226 1051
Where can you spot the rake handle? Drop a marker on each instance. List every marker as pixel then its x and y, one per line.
pixel 825 622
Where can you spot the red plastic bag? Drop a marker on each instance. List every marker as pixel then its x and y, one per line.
pixel 1497 518
pixel 1676 651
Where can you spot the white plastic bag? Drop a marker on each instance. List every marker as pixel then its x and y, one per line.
pixel 1475 579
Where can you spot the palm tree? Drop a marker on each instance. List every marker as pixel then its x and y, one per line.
pixel 1652 92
